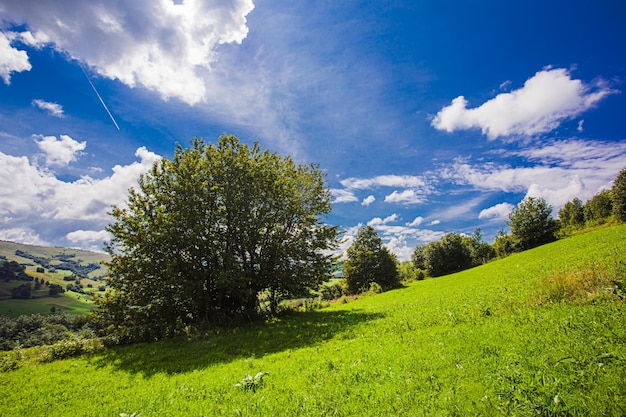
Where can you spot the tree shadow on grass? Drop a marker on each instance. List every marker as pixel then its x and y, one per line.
pixel 255 340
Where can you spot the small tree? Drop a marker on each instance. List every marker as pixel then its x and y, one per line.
pixel 480 252
pixel 619 196
pixel 532 224
pixel 503 244
pixel 450 254
pixel 599 208
pixel 572 214
pixel 417 257
pixel 368 261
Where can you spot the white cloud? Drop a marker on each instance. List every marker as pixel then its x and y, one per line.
pixel 400 247
pixel 564 170
pixel 499 211
pixel 377 221
pixel 60 151
pixel 416 222
pixel 11 59
pixel 54 109
pixel 404 181
pixel 368 200
pixel 545 100
pixel 43 207
pixel 434 222
pixel 89 239
pixel 404 197
pixel 343 196
pixel 163 46
pixel 22 235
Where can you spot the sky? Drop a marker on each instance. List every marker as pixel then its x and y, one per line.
pixel 426 117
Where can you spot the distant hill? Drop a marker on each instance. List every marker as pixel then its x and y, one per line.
pixel 73 260
pixel 80 273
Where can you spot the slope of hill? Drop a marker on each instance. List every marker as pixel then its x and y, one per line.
pixel 55 266
pixel 538 333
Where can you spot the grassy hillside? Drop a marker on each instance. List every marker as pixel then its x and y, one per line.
pixel 55 262
pixel 538 333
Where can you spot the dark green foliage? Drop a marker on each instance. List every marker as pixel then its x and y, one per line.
pixel 409 273
pixel 333 289
pixel 532 224
pixel 417 257
pixel 55 289
pixel 450 254
pixel 618 193
pixel 503 244
pixel 210 230
pixel 37 330
pixel 599 208
pixel 368 262
pixel 572 215
pixel 21 292
pixel 11 270
pixel 480 252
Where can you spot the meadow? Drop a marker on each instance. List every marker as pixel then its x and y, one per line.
pixel 541 332
pixel 41 303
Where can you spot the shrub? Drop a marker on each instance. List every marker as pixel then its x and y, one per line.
pixel 332 290
pixel 74 346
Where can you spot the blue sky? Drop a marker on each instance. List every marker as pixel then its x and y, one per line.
pixel 428 117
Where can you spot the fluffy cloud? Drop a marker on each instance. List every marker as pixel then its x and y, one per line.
pixel 377 221
pixel 60 151
pixel 498 212
pixel 404 197
pixel 545 100
pixel 368 200
pixel 416 222
pixel 37 206
pixel 88 239
pixel 54 109
pixel 343 196
pixel 164 46
pixel 22 235
pixel 11 59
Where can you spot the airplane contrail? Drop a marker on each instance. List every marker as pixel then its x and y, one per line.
pixel 100 98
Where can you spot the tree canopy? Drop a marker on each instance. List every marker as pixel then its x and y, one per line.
pixel 368 261
pixel 212 230
pixel 532 224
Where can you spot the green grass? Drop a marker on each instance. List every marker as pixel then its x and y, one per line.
pixel 487 341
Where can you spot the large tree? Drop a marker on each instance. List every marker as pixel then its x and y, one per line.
pixel 211 230
pixel 532 224
pixel 369 261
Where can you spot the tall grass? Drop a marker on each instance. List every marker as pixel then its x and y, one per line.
pixel 494 340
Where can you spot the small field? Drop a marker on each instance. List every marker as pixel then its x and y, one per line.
pixel 539 333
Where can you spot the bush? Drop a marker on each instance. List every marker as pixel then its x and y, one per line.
pixel 332 290
pixel 36 329
pixel 73 346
